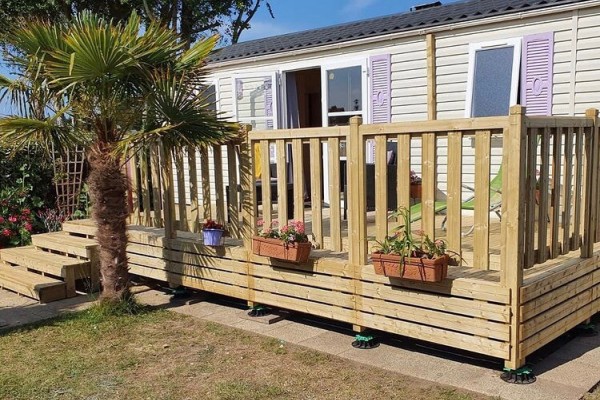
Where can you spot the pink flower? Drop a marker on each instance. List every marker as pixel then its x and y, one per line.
pixel 26 211
pixel 1 220
pixel 7 232
pixel 28 227
pixel 260 222
pixel 12 219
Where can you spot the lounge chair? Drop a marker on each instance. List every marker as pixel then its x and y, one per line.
pixel 495 202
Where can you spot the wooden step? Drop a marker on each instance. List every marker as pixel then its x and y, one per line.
pixel 35 259
pixel 85 227
pixel 64 243
pixel 32 285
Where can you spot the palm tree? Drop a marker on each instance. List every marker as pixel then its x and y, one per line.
pixel 113 88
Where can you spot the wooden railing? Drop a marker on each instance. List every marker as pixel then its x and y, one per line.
pixel 179 190
pixel 292 163
pixel 559 165
pixel 546 205
pixel 437 150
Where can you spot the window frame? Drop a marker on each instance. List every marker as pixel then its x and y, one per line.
pixel 515 43
pixel 274 93
pixel 364 85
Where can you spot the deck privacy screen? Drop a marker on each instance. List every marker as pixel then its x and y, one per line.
pixel 492 82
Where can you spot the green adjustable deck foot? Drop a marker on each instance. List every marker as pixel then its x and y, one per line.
pixel 519 376
pixel 179 292
pixel 365 341
pixel 588 329
pixel 259 311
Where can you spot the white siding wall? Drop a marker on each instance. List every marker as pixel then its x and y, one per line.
pixel 409 81
pixel 576 70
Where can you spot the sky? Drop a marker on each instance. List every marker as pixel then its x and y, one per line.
pixel 299 15
pixel 295 16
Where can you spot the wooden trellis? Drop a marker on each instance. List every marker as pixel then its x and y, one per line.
pixel 68 178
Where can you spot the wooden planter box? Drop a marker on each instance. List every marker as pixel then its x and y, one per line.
pixel 417 269
pixel 275 248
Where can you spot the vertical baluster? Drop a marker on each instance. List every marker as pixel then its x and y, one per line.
pixel 481 230
pixel 194 201
pixel 282 181
pixel 454 199
pixel 232 205
pixel 335 220
pixel 219 185
pixel 298 173
pixel 381 188
pixel 316 177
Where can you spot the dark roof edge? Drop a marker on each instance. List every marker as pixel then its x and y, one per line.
pixel 385 36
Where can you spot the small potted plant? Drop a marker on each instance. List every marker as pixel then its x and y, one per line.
pixel 403 256
pixel 212 233
pixel 415 185
pixel 289 243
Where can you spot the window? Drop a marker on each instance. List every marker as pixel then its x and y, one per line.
pixel 255 101
pixel 344 94
pixel 493 78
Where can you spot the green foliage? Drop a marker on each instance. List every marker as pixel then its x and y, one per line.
pixel 194 18
pixel 100 78
pixel 25 189
pixel 404 243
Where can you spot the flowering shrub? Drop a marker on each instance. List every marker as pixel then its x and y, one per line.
pixel 212 224
pixel 17 221
pixel 293 232
pixel 52 219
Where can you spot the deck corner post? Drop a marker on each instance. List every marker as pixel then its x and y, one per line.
pixel 247 185
pixel 357 210
pixel 592 143
pixel 168 192
pixel 512 227
pixel 357 227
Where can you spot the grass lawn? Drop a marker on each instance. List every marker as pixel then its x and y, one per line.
pixel 163 355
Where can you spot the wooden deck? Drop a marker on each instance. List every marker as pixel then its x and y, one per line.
pixel 524 277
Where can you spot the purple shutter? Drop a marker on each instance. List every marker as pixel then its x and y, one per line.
pixel 380 96
pixel 269 101
pixel 536 73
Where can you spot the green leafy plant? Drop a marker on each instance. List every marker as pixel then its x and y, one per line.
pixel 404 243
pixel 293 232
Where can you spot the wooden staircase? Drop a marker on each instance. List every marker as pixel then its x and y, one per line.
pixel 50 268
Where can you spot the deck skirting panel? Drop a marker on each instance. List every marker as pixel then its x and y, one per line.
pixel 557 299
pixel 452 313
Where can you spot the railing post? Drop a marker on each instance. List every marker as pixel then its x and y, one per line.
pixel 592 141
pixel 357 208
pixel 513 195
pixel 168 192
pixel 357 227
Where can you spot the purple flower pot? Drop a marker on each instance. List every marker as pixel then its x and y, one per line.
pixel 213 237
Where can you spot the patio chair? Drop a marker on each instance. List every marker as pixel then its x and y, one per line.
pixel 469 204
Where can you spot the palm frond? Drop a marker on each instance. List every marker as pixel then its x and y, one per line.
pixel 18 132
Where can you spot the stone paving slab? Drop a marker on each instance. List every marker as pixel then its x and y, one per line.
pixel 566 374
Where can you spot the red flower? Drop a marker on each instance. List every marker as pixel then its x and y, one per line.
pixel 26 211
pixel 12 219
pixel 7 232
pixel 28 227
pixel 1 220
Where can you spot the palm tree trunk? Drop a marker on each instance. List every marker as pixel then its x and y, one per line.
pixel 108 188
